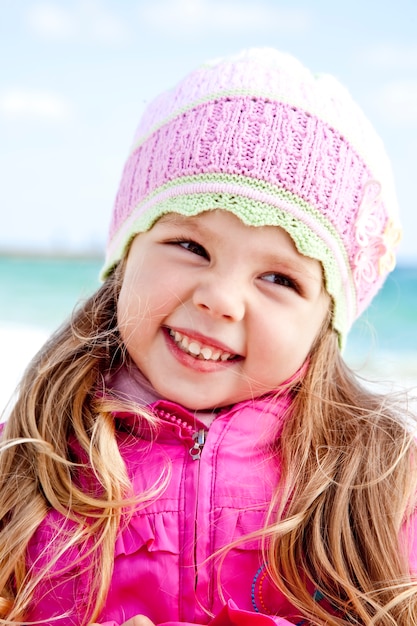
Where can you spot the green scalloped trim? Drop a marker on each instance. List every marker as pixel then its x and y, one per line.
pixel 261 217
pixel 252 183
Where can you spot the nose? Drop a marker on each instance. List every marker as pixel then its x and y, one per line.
pixel 220 297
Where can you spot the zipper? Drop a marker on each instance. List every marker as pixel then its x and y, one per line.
pixel 193 438
pixel 197 437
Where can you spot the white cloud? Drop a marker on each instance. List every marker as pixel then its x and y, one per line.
pixel 20 103
pixel 85 20
pixel 180 16
pixel 51 21
pixel 397 101
pixel 108 29
pixel 388 57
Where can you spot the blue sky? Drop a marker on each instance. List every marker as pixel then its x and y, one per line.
pixel 76 75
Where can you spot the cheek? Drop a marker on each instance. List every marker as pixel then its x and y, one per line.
pixel 126 307
pixel 281 348
pixel 140 310
pixel 121 311
pixel 130 313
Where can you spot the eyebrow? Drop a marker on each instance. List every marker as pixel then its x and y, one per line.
pixel 294 259
pixel 192 223
pixel 181 220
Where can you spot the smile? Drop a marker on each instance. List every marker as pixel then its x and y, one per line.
pixel 199 350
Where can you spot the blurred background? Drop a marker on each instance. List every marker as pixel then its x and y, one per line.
pixel 74 79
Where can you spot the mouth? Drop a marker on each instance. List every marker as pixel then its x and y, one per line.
pixel 200 350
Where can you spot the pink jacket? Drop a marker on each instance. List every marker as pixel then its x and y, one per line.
pixel 219 488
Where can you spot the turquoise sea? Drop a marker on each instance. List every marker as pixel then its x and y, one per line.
pixel 38 293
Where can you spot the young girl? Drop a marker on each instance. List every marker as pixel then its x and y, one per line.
pixel 191 448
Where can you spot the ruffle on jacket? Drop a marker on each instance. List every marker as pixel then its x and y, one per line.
pixel 159 531
pixel 234 524
pixel 153 531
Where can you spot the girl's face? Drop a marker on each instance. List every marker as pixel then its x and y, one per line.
pixel 213 312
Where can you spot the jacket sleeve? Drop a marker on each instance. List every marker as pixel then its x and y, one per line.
pixel 61 594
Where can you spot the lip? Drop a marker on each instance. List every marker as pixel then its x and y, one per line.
pixel 190 361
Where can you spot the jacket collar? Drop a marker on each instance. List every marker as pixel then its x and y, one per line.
pixel 130 386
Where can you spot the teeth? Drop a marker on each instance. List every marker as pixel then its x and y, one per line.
pixel 207 353
pixel 193 347
pixel 197 350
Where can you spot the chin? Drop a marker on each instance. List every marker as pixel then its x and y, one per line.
pixel 196 404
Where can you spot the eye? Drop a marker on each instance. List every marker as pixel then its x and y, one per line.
pixel 281 280
pixel 193 247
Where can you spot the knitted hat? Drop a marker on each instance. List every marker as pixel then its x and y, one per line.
pixel 258 135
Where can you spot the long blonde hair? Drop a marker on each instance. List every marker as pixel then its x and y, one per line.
pixel 349 481
pixel 59 409
pixel 335 524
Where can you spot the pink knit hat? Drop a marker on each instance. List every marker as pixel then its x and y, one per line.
pixel 258 135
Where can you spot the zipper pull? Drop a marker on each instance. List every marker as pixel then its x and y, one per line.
pixel 199 441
